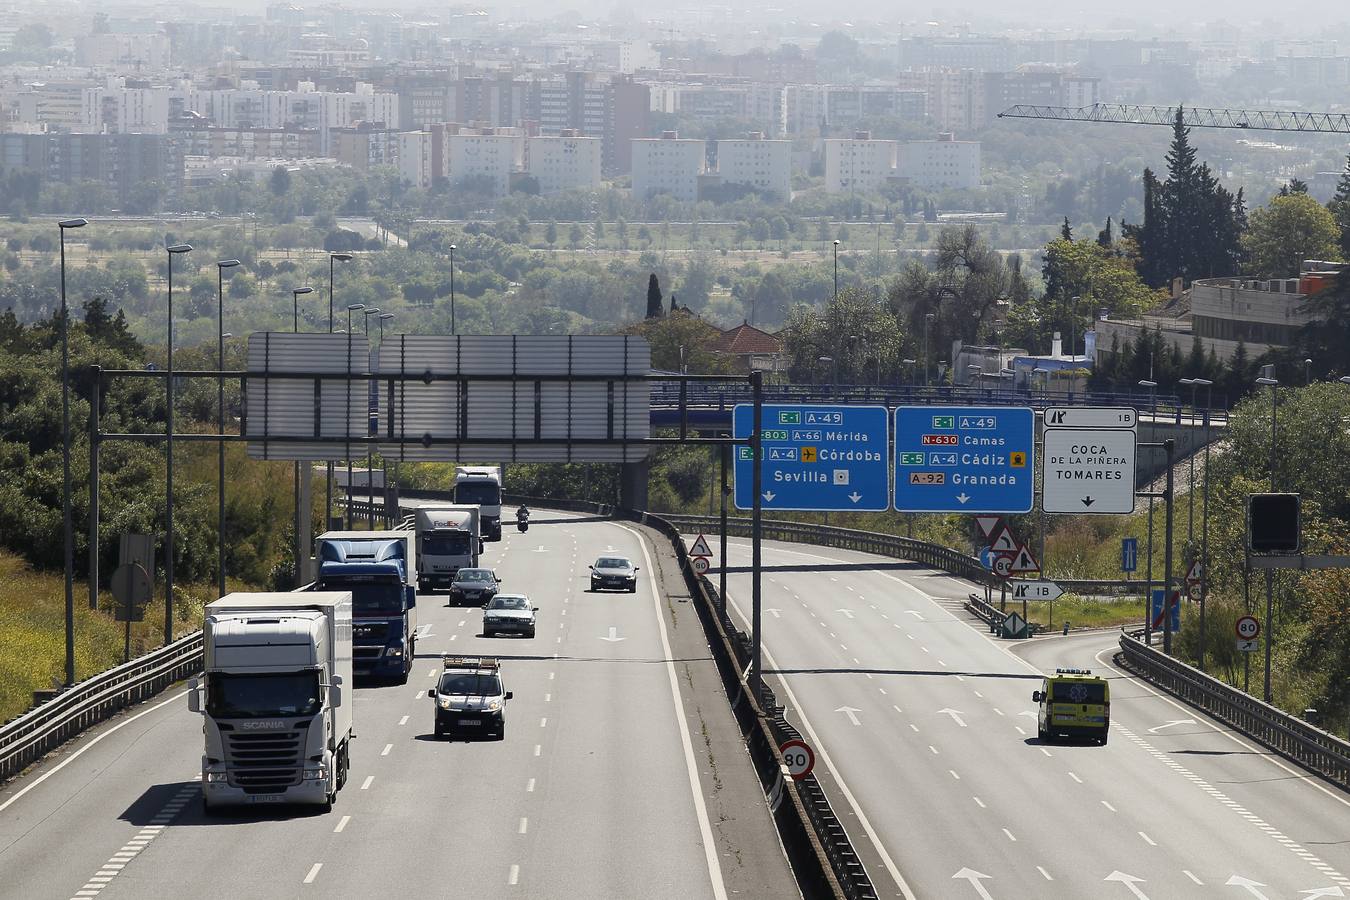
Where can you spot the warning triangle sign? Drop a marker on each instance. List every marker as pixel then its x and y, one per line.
pixel 1025 562
pixel 700 547
pixel 1194 573
pixel 1002 541
pixel 988 524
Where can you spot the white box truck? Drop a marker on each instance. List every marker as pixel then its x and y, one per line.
pixel 276 698
pixel 447 541
pixel 481 486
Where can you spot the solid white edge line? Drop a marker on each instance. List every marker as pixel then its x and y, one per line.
pixel 824 756
pixel 691 767
pixel 76 755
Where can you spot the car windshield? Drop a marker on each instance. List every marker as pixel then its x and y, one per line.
pixel 253 696
pixel 471 683
pixel 456 544
pixel 473 575
pixel 509 603
pixel 612 563
pixel 479 493
pixel 1078 692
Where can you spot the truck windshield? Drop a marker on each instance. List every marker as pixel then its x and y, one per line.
pixel 255 696
pixel 453 544
pixel 375 599
pixel 481 493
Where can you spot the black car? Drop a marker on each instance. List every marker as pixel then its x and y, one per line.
pixel 474 586
pixel 614 572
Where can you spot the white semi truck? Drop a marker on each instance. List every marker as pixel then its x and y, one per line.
pixel 276 698
pixel 447 540
pixel 481 486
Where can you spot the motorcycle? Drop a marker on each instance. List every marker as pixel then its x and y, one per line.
pixel 523 525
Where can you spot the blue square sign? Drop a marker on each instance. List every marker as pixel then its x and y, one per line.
pixel 964 459
pixel 822 458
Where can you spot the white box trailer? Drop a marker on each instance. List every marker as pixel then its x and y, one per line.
pixel 448 540
pixel 276 698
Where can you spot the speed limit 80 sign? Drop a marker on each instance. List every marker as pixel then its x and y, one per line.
pixel 1248 628
pixel 799 758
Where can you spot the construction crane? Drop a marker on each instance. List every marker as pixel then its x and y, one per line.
pixel 1195 116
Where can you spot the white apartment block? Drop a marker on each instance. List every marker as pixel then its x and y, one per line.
pixel 493 155
pixel 945 163
pixel 414 157
pixel 858 164
pixel 303 108
pixel 564 162
pixel 760 164
pixel 668 165
pixel 956 97
pixel 120 110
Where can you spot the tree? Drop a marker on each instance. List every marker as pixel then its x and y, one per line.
pixel 769 299
pixel 551 233
pixel 1065 232
pixel 863 341
pixel 279 182
pixel 1293 186
pixel 1293 228
pixel 575 236
pixel 1340 209
pixel 654 308
pixel 1104 238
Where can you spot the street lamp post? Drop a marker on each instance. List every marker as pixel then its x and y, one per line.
pixel 370 453
pixel 384 463
pixel 1073 328
pixel 927 321
pixel 295 306
pixel 1274 385
pixel 1204 518
pixel 1148 590
pixel 339 257
pixel 830 359
pixel 172 251
pixel 67 523
pixel 351 308
pixel 300 549
pixel 328 483
pixel 221 266
pixel 452 290
pixel 836 270
pixel 1307 372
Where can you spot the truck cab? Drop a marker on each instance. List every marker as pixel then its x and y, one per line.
pixel 373 566
pixel 447 540
pixel 481 486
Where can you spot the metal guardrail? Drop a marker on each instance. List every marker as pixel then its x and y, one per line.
pixel 990 615
pixel 1309 746
pixel 933 555
pixel 26 739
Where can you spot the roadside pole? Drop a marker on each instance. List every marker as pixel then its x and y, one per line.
pixel 756 532
pixel 1170 446
pixel 1269 629
pixel 96 382
pixel 724 452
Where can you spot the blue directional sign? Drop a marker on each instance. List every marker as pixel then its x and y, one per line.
pixel 1129 554
pixel 815 457
pixel 964 459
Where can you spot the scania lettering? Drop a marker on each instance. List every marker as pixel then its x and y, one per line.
pixel 481 486
pixel 379 569
pixel 277 715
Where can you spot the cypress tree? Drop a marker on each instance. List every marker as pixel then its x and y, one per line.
pixel 1104 236
pixel 654 310
pixel 1065 231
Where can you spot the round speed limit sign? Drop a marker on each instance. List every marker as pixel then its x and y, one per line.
pixel 800 759
pixel 1247 628
pixel 1003 565
pixel 700 564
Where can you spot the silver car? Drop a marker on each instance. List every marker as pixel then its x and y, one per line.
pixel 509 614
pixel 474 586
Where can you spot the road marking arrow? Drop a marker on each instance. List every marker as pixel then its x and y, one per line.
pixel 956 715
pixel 915 613
pixel 847 612
pixel 964 498
pixel 613 635
pixel 1251 886
pixel 855 496
pixel 974 878
pixel 1323 892
pixel 1130 881
pixel 540 549
pixel 851 713
pixel 1170 724
pixel 769 495
pixel 776 612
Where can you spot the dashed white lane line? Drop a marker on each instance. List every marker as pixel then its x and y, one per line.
pixel 461 623
pixel 548 698
pixel 403 721
pixel 431 673
pixel 1148 840
pixel 313 873
pixel 954 775
pixel 1191 875
pixel 529 786
pixel 1108 806
pixel 1045 873
pixel 538 749
pixel 342 823
pixel 1010 835
pixel 387 748
pixel 365 785
pixel 934 749
pixel 897 709
pixel 979 802
pixel 1045 751
pixel 550 675
pixel 524 825
pixel 543 722
pixel 914 728
pixel 1019 729
pixel 513 877
pixel 1075 778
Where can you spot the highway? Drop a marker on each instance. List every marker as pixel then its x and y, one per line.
pixel 925 735
pixel 618 776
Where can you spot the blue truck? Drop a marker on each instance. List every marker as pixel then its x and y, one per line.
pixel 379 569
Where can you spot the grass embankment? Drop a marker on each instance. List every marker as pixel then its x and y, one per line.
pixel 32 631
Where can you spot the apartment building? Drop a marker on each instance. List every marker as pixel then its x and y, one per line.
pixel 956 97
pixel 858 164
pixel 565 162
pixel 668 165
pixel 765 165
pixel 486 156
pixel 942 164
pixel 366 146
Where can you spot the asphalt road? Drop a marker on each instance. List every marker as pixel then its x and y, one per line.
pixel 601 787
pixel 925 735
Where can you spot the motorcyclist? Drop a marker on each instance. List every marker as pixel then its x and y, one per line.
pixel 522 517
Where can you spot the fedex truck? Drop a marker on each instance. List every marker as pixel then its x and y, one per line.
pixel 447 541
